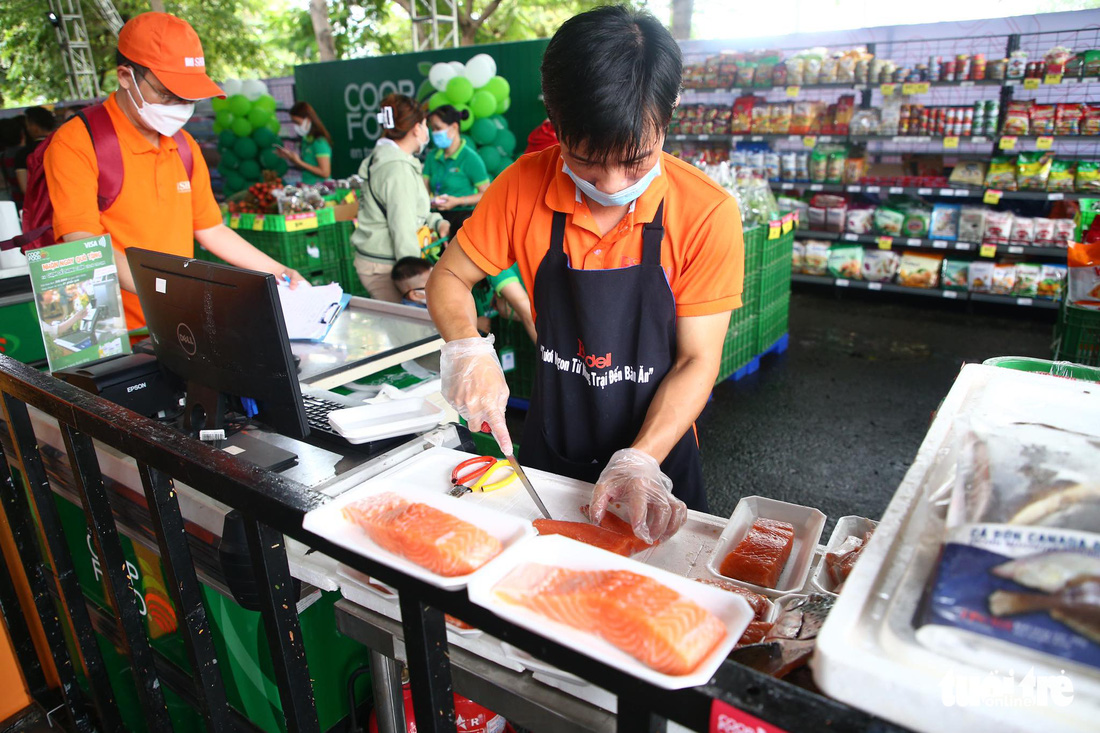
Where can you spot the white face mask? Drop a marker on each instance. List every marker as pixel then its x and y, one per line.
pixel 620 198
pixel 303 128
pixel 167 119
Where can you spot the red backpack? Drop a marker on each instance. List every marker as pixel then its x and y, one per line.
pixel 37 207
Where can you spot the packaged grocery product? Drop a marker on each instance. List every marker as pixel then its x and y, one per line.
pixel 1004 279
pixel 819 165
pixel 798 253
pixel 860 221
pixel 1061 175
pixel 1088 176
pixel 802 170
pixel 864 122
pixel 1033 170
pixel 795 68
pixel 1064 231
pixel 968 173
pixel 771 166
pixel 1092 63
pixel 815 260
pixel 1067 119
pixel 1052 280
pixel 854 169
pixel 980 275
pixel 1027 280
pixel 1017 64
pixel 812 70
pixel 846 261
pixel 998 227
pixel 919 270
pixel 971 224
pixel 834 172
pixel 788 166
pixel 1084 275
pixel 1044 232
pixel 1042 119
pixel 1017 118
pixel 763 75
pixel 835 218
pixel 746 73
pixel 1090 123
pixel 945 221
pixel 780 118
pixel 1023 230
pixel 741 120
pixel 828 71
pixel 1001 174
pixel 954 275
pixel 880 265
pixel 802 117
pixel 917 221
pixel 761 119
pixel 889 221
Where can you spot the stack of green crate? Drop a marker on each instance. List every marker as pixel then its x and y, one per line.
pixel 314 244
pixel 740 345
pixel 1077 335
pixel 775 290
pixel 517 355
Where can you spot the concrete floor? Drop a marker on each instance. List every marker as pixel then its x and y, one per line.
pixel 835 422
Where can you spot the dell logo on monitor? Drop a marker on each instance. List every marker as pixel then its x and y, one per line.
pixel 186 339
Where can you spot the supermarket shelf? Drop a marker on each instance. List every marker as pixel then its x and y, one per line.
pixel 860 87
pixel 933 191
pixel 927 292
pixel 934 244
pixel 922 139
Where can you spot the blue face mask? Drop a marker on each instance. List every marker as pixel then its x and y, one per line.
pixel 622 198
pixel 441 139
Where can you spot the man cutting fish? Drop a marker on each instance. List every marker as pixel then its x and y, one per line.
pixel 635 261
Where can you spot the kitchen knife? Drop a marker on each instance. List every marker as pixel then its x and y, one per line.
pixel 527 485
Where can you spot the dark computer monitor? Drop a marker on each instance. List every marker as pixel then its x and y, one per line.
pixel 221 330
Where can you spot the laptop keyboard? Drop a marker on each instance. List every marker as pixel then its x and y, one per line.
pixel 317 411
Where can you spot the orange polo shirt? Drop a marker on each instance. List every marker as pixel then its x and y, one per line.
pixel 703 253
pixel 158 207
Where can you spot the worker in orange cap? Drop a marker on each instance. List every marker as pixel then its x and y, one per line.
pixel 151 172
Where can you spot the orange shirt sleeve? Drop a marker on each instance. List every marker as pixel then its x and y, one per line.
pixel 204 209
pixel 714 271
pixel 486 237
pixel 72 176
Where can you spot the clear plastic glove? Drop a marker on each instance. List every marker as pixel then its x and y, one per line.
pixel 635 479
pixel 473 384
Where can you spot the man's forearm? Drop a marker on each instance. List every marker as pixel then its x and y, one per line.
pixel 679 400
pixel 231 247
pixel 451 305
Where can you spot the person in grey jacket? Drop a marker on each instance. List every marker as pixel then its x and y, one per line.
pixel 395 218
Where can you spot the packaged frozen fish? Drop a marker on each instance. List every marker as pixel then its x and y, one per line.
pixel 816 259
pixel 880 265
pixel 1004 279
pixel 1052 280
pixel 971 224
pixel 1027 280
pixel 919 270
pixel 945 221
pixel 980 275
pixel 846 261
pixel 955 275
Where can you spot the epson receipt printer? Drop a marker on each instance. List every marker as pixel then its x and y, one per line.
pixel 134 381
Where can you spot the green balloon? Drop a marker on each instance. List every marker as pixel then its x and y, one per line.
pixel 230 160
pixel 483 104
pixel 504 106
pixel 234 182
pixel 250 171
pixel 499 87
pixel 264 138
pixel 500 122
pixel 224 118
pixel 218 104
pixel 484 132
pixel 280 167
pixel 258 117
pixel 239 105
pixel 459 90
pixel 226 138
pixel 467 123
pixel 269 159
pixel 437 100
pixel 217 128
pixel 266 102
pixel 490 156
pixel 245 148
pixel 274 126
pixel 241 127
pixel 507 140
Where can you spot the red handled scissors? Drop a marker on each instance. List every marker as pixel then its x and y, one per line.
pixel 476 474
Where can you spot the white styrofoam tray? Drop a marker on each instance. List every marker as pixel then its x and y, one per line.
pixel 732 610
pixel 808 524
pixel 328 521
pixel 385 419
pixel 845 528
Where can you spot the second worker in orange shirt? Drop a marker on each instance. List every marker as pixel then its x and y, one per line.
pixel 634 260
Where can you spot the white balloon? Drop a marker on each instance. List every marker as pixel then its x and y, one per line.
pixel 439 75
pixel 231 87
pixel 253 89
pixel 459 67
pixel 480 69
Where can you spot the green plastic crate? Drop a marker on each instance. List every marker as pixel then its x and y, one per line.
pixel 1077 335
pixel 349 279
pixel 755 239
pixel 740 344
pixel 309 250
pixel 775 281
pixel 750 294
pixel 1043 366
pixel 772 322
pixel 778 249
pixel 517 356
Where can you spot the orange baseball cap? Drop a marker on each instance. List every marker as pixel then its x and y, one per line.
pixel 171 49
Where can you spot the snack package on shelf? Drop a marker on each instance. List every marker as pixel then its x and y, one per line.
pixel 741 119
pixel 865 122
pixel 1044 232
pixel 1001 173
pixel 917 221
pixel 919 270
pixel 1023 230
pixel 1042 119
pixel 1052 281
pixel 1004 279
pixel 1061 175
pixel 1033 170
pixel 1064 230
pixel 1090 123
pixel 1084 275
pixel 1087 179
pixel 761 119
pixel 860 221
pixel 998 226
pixel 846 261
pixel 889 221
pixel 815 261
pixel 880 265
pixel 819 164
pixel 1067 119
pixel 1017 118
pixel 945 221
pixel 971 223
pixel 954 275
pixel 968 173
pixel 1027 280
pixel 855 169
pixel 828 212
pixel 834 169
pixel 980 276
pixel 780 119
pixel 798 255
pixel 771 166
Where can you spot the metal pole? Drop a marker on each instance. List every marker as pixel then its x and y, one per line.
pixel 429 666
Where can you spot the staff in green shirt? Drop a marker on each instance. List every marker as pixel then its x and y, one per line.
pixel 315 158
pixel 454 172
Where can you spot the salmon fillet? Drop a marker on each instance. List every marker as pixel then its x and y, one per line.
pixel 618 525
pixel 759 558
pixel 757 602
pixel 637 614
pixel 755 633
pixel 429 537
pixel 589 534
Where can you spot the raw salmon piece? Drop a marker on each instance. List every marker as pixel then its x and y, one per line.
pixel 590 534
pixel 429 537
pixel 759 558
pixel 758 602
pixel 754 634
pixel 617 524
pixel 635 613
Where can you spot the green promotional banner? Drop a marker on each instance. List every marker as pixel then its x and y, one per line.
pixel 346 94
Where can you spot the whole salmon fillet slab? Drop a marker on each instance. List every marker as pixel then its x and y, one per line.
pixel 637 614
pixel 431 538
pixel 760 557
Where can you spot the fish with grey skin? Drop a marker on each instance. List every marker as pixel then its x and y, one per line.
pixel 790 642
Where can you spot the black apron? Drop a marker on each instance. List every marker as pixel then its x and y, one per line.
pixel 606 340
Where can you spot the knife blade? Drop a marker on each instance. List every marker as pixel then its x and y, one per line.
pixel 527 485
